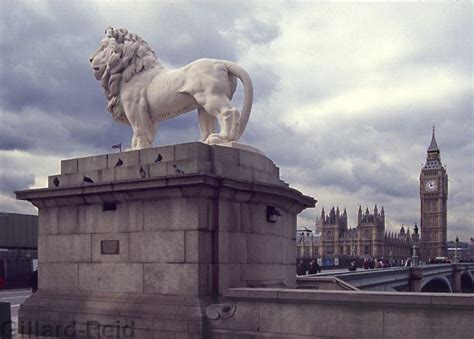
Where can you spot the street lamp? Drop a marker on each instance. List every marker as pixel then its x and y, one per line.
pixel 456 250
pixel 415 236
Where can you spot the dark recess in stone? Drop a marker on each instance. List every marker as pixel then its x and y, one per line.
pixel 109 206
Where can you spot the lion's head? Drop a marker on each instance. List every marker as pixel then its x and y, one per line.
pixel 119 57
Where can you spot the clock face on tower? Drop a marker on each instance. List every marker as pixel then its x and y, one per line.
pixel 431 186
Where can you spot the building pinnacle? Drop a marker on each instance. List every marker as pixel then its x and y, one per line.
pixel 433 145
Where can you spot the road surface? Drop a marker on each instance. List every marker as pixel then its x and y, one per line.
pixel 15 298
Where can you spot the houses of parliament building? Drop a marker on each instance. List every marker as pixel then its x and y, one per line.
pixel 369 237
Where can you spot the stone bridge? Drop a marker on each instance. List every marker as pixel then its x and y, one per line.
pixel 426 278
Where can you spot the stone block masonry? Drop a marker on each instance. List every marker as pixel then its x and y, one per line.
pixel 176 224
pixel 167 161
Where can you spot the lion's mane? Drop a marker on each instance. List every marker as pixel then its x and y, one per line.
pixel 127 54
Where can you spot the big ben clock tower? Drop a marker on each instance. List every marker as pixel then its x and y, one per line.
pixel 433 204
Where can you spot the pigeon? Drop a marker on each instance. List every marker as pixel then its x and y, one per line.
pixel 142 172
pixel 119 163
pixel 177 169
pixel 89 180
pixel 159 158
pixel 56 182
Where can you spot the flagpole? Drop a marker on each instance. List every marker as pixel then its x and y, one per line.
pixel 119 146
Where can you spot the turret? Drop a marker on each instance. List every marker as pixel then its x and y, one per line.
pixel 344 218
pixel 433 159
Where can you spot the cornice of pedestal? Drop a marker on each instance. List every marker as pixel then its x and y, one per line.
pixel 170 187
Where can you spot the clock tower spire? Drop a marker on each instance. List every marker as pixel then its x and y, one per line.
pixel 433 204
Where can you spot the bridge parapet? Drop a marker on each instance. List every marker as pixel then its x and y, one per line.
pixel 436 269
pixel 323 283
pixel 283 313
pixel 387 279
pixel 413 279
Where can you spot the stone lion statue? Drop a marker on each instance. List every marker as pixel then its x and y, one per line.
pixel 142 92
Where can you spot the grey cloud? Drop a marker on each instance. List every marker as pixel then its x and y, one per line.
pixel 318 158
pixel 265 79
pixel 44 59
pixel 183 34
pixel 254 31
pixel 53 133
pixel 259 32
pixel 45 68
pixel 446 45
pixel 15 180
pixel 387 179
pixel 181 129
pixel 202 30
pixel 9 204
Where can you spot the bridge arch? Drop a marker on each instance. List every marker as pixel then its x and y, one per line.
pixel 467 282
pixel 438 284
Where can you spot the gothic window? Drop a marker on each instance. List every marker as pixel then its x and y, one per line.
pixel 366 249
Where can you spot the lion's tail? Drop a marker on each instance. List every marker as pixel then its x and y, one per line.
pixel 240 73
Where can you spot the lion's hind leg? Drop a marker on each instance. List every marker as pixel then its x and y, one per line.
pixel 207 124
pixel 227 115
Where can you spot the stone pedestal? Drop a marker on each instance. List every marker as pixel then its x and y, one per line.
pixel 147 240
pixel 456 279
pixel 416 275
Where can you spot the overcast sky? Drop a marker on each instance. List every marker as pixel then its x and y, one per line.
pixel 345 94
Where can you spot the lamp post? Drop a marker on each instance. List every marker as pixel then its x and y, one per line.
pixel 303 252
pixel 414 259
pixel 456 250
